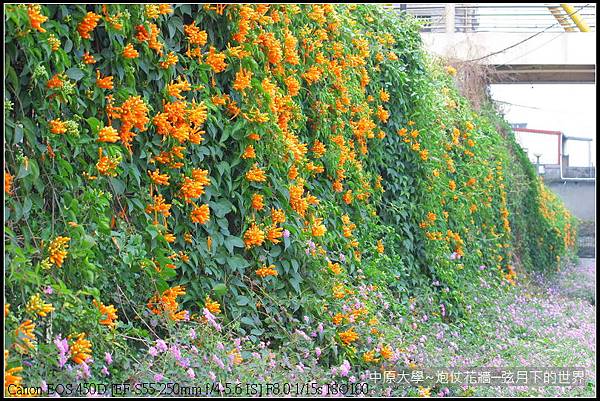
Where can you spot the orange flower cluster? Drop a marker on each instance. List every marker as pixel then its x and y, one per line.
pixel 181 120
pixel 195 35
pixel 159 206
pixel 278 216
pixel 133 113
pixel 274 233
pixel 256 174
pixel 201 214
pixel 249 152
pixel 348 336
pixel 38 307
pixel 258 202
pixel 36 19
pixel 193 188
pixel 8 179
pixel 88 58
pixel 212 306
pixel 25 337
pixel 110 312
pixel 242 80
pixel 167 303
pixel 254 236
pixel 108 134
pixel 10 378
pixel 88 24
pixel 54 82
pixel 81 348
pixel 348 226
pixel 104 83
pixel 175 89
pixel 172 59
pixel 265 271
pixel 130 52
pixel 215 60
pixel 158 178
pixel 57 126
pixel 334 267
pixel 57 250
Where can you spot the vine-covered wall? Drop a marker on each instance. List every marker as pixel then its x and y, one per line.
pixel 263 162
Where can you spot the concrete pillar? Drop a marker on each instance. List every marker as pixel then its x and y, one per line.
pixel 449 16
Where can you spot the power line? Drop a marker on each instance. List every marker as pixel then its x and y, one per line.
pixel 526 39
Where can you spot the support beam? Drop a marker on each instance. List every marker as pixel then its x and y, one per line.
pixel 543 74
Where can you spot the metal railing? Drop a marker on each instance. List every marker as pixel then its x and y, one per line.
pixel 497 17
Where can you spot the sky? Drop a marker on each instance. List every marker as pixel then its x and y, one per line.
pixel 570 108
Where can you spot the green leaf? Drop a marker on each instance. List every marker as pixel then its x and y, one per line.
pixel 94 124
pixel 220 290
pixel 237 263
pixel 75 73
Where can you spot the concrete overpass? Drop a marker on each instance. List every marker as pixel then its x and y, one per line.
pixel 521 42
pixel 567 57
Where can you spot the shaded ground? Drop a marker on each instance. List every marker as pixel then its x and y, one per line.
pixel 544 321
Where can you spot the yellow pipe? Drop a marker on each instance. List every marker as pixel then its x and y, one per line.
pixel 581 24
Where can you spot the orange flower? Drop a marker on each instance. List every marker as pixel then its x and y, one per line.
pixel 471 182
pixel 348 197
pixel 193 188
pixel 8 179
pixel 256 174
pixel 242 80
pixel 26 336
pixel 130 52
pixel 384 96
pixel 164 9
pixel 380 247
pixel 293 86
pixel 175 89
pixel 195 35
pixel 278 216
pixel 254 236
pixel 452 185
pixel 108 134
pixel 318 229
pixel 171 60
pixel 318 148
pixel 81 349
pixel 104 83
pixel 158 178
pixel 88 58
pixel 201 214
pixel 348 336
pixel 54 82
pixel 216 60
pixel 212 306
pixel 167 303
pixel 57 126
pixel 106 165
pixel 36 19
pixel 88 24
pixel 110 312
pixel 265 271
pixel 274 233
pixel 258 202
pixel 57 250
pixel 249 153
pixel 39 307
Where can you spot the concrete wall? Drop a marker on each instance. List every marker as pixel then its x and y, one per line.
pixel 579 197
